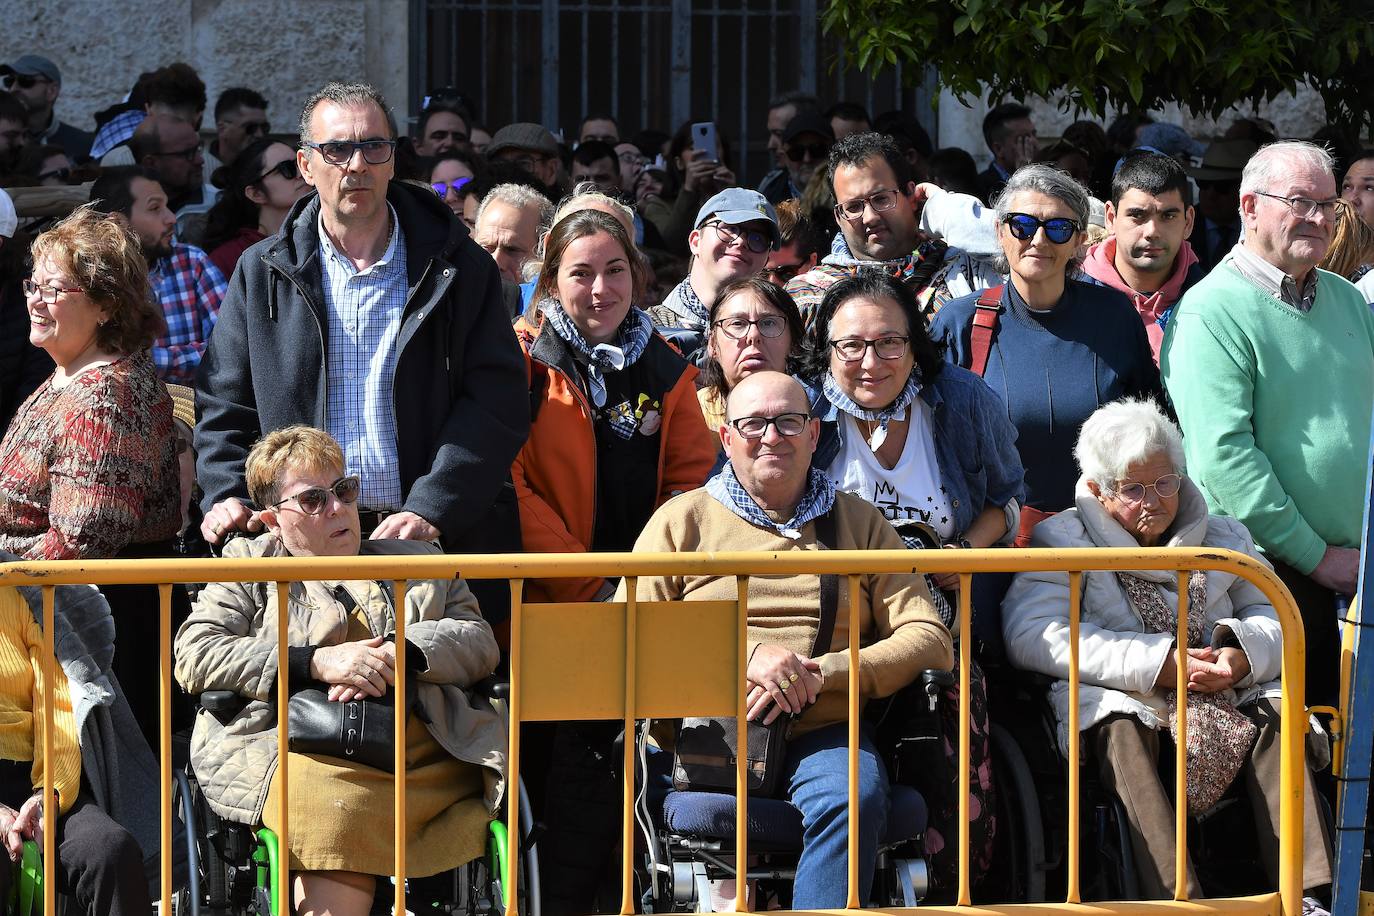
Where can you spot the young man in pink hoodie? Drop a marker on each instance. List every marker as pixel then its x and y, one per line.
pixel 1148 257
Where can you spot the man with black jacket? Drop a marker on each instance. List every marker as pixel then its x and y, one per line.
pixel 372 315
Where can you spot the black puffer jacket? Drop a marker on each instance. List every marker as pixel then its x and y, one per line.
pixel 460 395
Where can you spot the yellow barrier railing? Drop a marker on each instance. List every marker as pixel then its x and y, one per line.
pixel 618 646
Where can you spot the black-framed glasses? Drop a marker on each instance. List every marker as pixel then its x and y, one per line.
pixel 1023 226
pixel 340 152
pixel 780 274
pixel 880 200
pixel 755 240
pixel 312 500
pixel 1306 207
pixel 798 152
pixel 286 168
pixel 49 292
pixel 737 328
pixel 443 187
pixel 1164 487
pixel 190 154
pixel 852 349
pixel 24 80
pixel 787 424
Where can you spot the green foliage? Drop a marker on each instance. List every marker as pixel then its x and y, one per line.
pixel 1206 55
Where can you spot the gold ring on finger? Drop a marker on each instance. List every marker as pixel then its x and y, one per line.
pixel 793 677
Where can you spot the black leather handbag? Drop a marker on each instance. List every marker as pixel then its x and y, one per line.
pixel 361 731
pixel 707 748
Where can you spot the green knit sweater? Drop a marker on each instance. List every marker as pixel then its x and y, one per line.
pixel 1275 409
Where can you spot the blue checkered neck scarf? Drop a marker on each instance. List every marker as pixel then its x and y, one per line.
pixel 894 411
pixel 815 502
pixel 631 338
pixel 689 298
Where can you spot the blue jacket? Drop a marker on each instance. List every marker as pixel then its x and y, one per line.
pixel 975 444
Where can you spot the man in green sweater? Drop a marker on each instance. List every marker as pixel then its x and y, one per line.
pixel 1269 363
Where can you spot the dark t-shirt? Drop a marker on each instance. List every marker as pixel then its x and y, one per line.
pixel 627 446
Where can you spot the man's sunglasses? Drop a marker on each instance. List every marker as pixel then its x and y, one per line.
pixel 312 500
pixel 24 81
pixel 443 187
pixel 781 273
pixel 189 154
pixel 1023 226
pixel 798 152
pixel 286 169
pixel 340 152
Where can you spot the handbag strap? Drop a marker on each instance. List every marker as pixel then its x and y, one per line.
pixel 986 312
pixel 830 586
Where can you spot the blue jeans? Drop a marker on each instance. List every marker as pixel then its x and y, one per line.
pixel 817 775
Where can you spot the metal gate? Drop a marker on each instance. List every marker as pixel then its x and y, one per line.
pixel 649 63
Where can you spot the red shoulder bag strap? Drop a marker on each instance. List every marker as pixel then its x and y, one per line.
pixel 985 317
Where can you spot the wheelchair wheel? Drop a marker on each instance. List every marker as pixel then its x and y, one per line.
pixel 1018 869
pixel 481 884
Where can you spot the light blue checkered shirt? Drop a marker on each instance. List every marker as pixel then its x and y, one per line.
pixel 364 310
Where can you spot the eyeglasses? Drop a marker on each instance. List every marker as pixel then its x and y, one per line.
pixel 312 500
pixel 787 424
pixel 1023 226
pixel 852 349
pixel 443 187
pixel 340 152
pixel 286 169
pixel 61 174
pixel 737 328
pixel 48 293
pixel 798 152
pixel 755 240
pixel 781 273
pixel 457 136
pixel 24 81
pixel 1164 487
pixel 880 201
pixel 1306 207
pixel 190 154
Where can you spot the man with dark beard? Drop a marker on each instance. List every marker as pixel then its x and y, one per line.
pixel 184 280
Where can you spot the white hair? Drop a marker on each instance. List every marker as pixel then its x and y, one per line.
pixel 1124 433
pixel 1281 160
pixel 519 196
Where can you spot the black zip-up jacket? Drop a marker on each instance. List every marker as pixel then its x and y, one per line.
pixel 460 394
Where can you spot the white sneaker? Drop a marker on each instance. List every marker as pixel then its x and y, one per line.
pixel 1311 906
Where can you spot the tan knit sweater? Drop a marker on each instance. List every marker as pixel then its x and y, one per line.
pixel 900 634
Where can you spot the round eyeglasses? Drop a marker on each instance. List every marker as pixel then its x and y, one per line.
pixel 1164 487
pixel 738 328
pixel 852 349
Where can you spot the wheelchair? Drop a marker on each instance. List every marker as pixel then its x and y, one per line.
pixel 690 839
pixel 233 866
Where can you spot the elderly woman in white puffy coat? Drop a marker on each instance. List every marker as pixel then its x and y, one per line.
pixel 1134 492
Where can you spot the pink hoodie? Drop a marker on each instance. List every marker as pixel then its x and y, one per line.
pixel 1101 266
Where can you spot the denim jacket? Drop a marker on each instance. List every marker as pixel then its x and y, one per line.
pixel 975 444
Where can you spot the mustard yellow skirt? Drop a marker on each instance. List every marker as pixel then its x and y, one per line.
pixel 342 813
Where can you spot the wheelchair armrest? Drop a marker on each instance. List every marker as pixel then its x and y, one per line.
pixel 492 688
pixel 222 704
pixel 933 681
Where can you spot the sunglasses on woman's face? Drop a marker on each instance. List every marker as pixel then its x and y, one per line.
pixel 1023 226
pixel 286 169
pixel 443 187
pixel 312 500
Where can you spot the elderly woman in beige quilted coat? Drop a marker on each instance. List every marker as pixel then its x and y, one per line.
pixel 342 638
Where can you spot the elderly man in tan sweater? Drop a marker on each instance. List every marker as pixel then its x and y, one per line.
pixel 768 498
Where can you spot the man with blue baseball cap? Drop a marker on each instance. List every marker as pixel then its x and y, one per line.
pixel 36 82
pixel 731 238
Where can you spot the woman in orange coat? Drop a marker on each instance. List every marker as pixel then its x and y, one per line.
pixel 616 425
pixel 615 431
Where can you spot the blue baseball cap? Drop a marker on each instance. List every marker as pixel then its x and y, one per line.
pixel 737 206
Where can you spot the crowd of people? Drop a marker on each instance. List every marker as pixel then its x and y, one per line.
pixel 343 340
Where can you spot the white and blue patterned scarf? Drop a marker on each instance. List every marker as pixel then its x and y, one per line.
pixel 817 500
pixel 894 411
pixel 632 337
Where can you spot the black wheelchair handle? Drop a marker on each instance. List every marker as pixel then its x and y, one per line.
pixel 492 688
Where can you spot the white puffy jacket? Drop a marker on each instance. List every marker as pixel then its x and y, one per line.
pixel 1118 660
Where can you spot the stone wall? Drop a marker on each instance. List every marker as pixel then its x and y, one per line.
pixel 283 50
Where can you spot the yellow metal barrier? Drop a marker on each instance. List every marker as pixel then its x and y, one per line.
pixel 617 647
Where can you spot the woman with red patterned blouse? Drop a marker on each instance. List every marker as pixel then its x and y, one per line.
pixel 88 468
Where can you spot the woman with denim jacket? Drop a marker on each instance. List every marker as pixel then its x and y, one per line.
pixel 930 445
